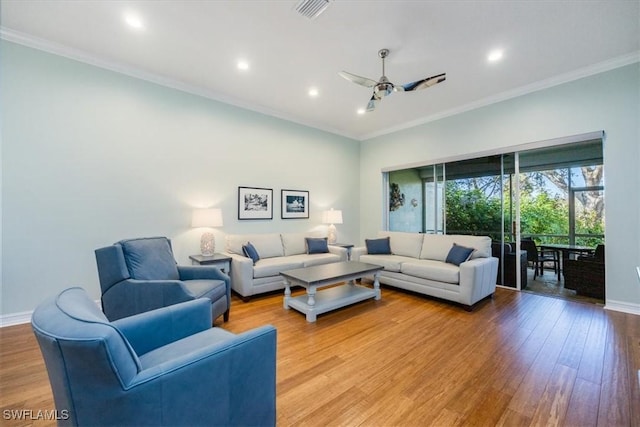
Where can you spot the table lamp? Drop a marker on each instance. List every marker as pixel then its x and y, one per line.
pixel 207 218
pixel 332 217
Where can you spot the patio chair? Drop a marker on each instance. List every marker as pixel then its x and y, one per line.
pixel 537 258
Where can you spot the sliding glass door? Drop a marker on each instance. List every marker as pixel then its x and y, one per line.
pixel 551 195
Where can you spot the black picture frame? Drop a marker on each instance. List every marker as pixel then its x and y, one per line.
pixel 255 203
pixel 294 204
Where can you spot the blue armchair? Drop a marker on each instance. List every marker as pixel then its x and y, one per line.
pixel 138 275
pixel 162 367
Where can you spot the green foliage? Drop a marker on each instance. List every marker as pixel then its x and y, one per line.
pixel 471 210
pixel 541 214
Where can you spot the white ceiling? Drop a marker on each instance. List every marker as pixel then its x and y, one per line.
pixel 194 45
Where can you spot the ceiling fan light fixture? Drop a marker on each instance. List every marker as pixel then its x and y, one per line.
pixel 311 8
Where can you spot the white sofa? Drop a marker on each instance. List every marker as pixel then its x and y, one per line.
pixel 417 263
pixel 278 252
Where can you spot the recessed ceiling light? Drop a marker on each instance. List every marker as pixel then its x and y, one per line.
pixel 313 92
pixel 361 111
pixel 495 55
pixel 243 65
pixel 133 21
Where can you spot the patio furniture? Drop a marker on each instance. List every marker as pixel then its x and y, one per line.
pixel 586 275
pixel 539 256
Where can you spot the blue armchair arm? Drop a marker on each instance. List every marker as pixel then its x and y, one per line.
pixel 152 329
pixel 196 272
pixel 241 370
pixel 131 296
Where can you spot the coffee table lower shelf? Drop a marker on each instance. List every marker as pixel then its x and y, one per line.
pixel 331 299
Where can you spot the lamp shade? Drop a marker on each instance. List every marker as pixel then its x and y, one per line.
pixel 332 217
pixel 206 218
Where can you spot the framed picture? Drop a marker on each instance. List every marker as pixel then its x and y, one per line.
pixel 255 203
pixel 295 204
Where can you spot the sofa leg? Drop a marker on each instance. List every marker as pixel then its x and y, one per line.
pixel 246 299
pixel 225 316
pixel 468 308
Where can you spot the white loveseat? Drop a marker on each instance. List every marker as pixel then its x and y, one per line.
pixel 417 263
pixel 278 252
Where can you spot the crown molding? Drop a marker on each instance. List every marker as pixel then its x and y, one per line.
pixel 81 56
pixel 84 57
pixel 580 73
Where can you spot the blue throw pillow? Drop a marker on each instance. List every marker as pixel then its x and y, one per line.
pixel 150 258
pixel 378 246
pixel 250 252
pixel 459 254
pixel 317 245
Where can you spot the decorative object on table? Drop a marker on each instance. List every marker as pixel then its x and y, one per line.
pixel 255 203
pixel 332 217
pixel 396 199
pixel 207 218
pixel 295 204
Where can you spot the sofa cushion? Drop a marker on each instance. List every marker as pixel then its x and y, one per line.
pixel 250 252
pixel 378 246
pixel 295 244
pixel 319 259
pixel 459 254
pixel 437 246
pixel 267 267
pixel 432 270
pixel 317 245
pixel 389 262
pixel 150 259
pixel 404 244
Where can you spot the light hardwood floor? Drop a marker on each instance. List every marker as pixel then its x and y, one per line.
pixel 517 360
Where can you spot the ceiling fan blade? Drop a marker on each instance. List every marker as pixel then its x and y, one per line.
pixel 425 83
pixel 362 81
pixel 372 103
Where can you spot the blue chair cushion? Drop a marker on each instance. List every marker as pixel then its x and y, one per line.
pixel 317 245
pixel 458 254
pixel 150 259
pixel 189 345
pixel 250 252
pixel 212 289
pixel 378 246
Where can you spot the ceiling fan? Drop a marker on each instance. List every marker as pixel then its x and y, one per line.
pixel 384 87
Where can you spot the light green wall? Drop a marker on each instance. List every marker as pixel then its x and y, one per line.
pixel 407 217
pixel 608 101
pixel 91 156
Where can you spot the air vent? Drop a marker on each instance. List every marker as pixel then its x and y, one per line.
pixel 311 8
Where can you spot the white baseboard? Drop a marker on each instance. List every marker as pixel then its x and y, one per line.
pixel 15 318
pixel 24 317
pixel 622 306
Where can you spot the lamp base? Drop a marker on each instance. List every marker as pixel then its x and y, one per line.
pixel 207 244
pixel 332 236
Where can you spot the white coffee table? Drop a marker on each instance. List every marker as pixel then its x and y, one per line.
pixel 312 278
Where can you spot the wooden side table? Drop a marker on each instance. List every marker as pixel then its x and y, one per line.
pixel 221 261
pixel 347 246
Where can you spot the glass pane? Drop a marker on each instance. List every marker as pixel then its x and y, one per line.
pixel 405 201
pixel 474 197
pixel 589 217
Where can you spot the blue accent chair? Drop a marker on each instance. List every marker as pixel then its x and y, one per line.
pixel 138 275
pixel 166 367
